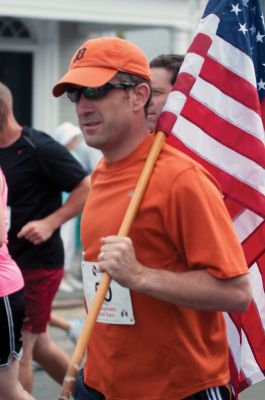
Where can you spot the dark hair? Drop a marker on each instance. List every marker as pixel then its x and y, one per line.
pixel 170 62
pixel 123 77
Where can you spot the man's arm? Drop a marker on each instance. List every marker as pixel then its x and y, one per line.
pixel 41 230
pixel 196 289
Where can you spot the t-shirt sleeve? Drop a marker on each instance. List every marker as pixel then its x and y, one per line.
pixel 200 225
pixel 58 165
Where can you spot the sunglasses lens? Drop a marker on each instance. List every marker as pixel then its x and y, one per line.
pixel 95 93
pixel 73 95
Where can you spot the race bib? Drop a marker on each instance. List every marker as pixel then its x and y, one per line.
pixel 117 306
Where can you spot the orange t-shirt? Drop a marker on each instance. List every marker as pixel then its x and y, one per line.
pixel 171 352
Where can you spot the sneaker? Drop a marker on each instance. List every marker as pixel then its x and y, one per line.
pixel 65 286
pixel 75 283
pixel 74 331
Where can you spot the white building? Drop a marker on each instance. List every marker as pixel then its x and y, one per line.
pixel 38 38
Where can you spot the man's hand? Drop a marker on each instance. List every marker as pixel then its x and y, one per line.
pixel 36 231
pixel 117 258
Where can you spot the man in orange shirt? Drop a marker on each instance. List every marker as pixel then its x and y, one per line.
pixel 160 334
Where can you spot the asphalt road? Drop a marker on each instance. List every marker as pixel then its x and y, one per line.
pixel 256 392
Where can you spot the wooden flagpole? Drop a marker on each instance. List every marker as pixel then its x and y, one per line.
pixel 81 346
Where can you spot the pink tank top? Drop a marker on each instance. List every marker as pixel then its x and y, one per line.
pixel 11 279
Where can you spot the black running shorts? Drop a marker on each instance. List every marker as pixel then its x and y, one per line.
pixel 12 309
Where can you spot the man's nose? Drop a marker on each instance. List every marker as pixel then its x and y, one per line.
pixel 84 105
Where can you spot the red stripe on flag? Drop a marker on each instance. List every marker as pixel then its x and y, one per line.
pixel 172 140
pixel 233 207
pixel 236 318
pixel 200 45
pixel 253 245
pixel 254 333
pixel 166 120
pixel 221 77
pixel 245 195
pixel 261 266
pixel 243 384
pixel 184 83
pixel 215 126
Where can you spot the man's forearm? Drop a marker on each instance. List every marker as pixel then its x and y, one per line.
pixel 72 207
pixel 196 289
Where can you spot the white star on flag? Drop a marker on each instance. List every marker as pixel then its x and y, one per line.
pixel 253 30
pixel 235 9
pixel 243 29
pixel 261 84
pixel 260 37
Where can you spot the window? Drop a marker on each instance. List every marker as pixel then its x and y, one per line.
pixel 13 28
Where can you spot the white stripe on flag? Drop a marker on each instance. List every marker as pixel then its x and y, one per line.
pixel 209 25
pixel 226 107
pixel 249 366
pixel 233 59
pixel 246 223
pixel 193 64
pixel 258 293
pixel 233 338
pixel 219 155
pixel 175 102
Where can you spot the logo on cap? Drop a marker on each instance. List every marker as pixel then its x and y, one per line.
pixel 80 54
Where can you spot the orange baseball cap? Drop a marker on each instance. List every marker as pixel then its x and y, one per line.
pixel 97 61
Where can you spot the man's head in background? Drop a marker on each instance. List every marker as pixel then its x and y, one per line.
pixel 165 69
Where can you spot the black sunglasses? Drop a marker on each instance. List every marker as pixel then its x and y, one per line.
pixel 95 93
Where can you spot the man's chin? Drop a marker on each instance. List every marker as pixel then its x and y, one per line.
pixel 151 121
pixel 92 141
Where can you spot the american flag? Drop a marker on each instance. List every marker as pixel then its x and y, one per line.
pixel 216 114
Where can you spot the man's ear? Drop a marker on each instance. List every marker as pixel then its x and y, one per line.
pixel 142 93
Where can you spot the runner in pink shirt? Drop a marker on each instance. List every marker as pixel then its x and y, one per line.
pixel 11 311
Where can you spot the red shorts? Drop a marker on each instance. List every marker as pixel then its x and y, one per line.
pixel 41 285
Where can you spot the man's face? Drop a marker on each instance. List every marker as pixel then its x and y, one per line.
pixel 107 122
pixel 161 86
